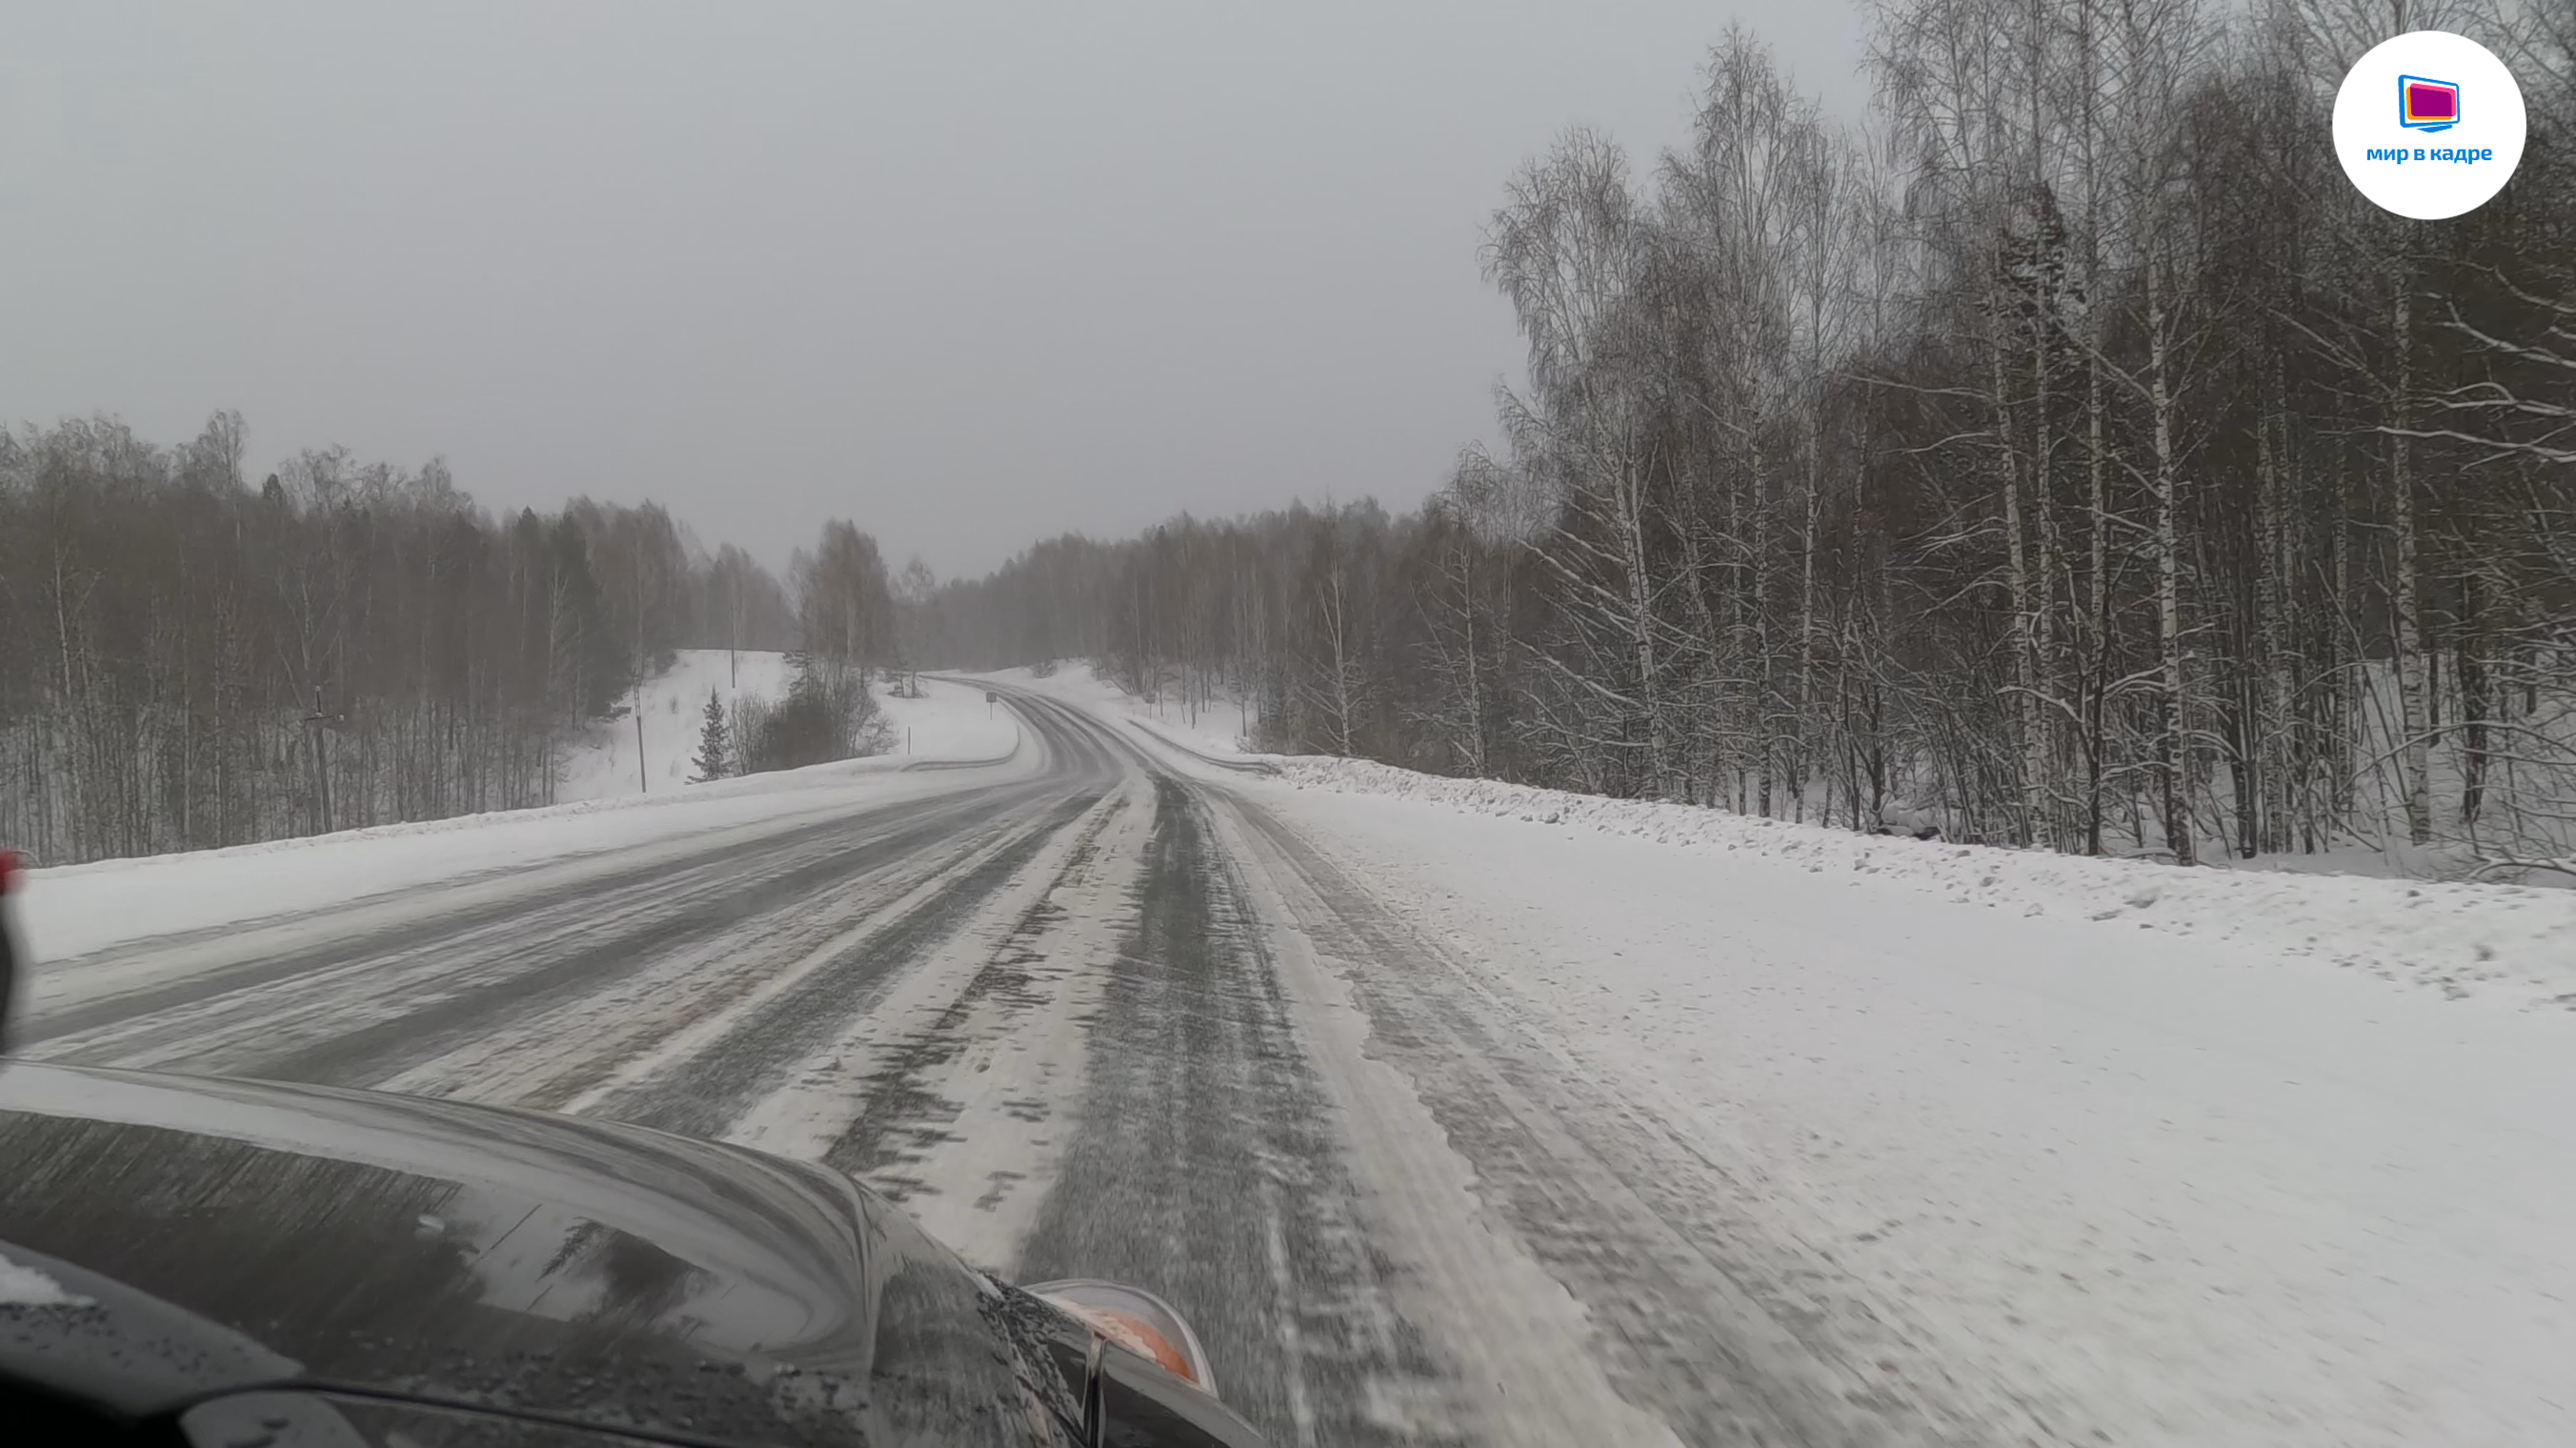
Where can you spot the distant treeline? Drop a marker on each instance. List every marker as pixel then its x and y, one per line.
pixel 189 659
pixel 2067 457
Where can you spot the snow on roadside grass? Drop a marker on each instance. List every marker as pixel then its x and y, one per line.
pixel 2515 944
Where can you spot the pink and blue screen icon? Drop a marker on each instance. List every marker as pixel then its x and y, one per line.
pixel 2427 105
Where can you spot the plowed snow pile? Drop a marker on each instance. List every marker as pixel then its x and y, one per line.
pixel 79 909
pixel 2510 943
pixel 2136 1154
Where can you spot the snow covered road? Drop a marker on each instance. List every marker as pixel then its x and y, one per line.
pixel 1454 1129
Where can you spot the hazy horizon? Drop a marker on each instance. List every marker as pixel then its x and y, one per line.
pixel 969 277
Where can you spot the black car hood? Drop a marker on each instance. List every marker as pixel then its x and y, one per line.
pixel 505 1260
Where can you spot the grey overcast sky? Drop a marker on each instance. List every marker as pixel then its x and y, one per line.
pixel 970 274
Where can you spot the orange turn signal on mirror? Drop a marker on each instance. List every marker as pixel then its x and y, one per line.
pixel 1138 1321
pixel 1134 1334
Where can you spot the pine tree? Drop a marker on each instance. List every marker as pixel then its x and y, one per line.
pixel 715 743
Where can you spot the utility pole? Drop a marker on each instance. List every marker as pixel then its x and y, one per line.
pixel 643 784
pixel 316 722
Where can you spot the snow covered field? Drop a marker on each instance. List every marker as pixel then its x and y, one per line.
pixel 948 722
pixel 602 766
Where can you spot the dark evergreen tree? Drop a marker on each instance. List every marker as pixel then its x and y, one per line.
pixel 715 742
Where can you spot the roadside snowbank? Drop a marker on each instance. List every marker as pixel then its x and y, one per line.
pixel 2510 944
pixel 2131 1188
pixel 76 910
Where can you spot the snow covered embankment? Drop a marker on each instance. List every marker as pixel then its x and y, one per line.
pixel 2511 944
pixel 80 909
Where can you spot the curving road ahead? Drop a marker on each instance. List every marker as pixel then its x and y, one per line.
pixel 1112 1016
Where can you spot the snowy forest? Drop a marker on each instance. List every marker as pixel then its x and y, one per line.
pixel 2062 456
pixel 188 660
pixel 2067 457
